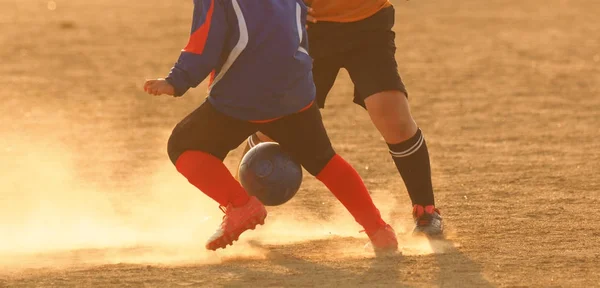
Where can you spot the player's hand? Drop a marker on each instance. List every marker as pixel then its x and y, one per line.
pixel 159 87
pixel 310 17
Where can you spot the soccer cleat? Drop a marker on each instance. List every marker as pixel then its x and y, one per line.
pixel 428 221
pixel 236 221
pixel 383 241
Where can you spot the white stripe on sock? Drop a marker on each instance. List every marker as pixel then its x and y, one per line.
pixel 251 142
pixel 410 150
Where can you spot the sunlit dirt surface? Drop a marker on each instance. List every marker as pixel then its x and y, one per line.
pixel 507 93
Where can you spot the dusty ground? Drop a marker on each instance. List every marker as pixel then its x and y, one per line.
pixel 507 93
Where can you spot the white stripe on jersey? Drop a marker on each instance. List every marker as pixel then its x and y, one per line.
pixel 239 46
pixel 299 23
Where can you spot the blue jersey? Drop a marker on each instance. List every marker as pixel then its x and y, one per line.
pixel 256 54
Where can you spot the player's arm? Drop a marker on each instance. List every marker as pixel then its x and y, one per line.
pixel 202 53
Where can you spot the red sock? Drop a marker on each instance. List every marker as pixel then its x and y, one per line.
pixel 210 175
pixel 347 186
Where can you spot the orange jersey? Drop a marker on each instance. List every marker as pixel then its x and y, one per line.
pixel 346 10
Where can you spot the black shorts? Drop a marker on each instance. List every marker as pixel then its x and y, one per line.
pixel 302 135
pixel 366 49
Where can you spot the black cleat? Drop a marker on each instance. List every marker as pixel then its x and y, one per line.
pixel 428 221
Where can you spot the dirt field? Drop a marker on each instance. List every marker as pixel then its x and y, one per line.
pixel 507 93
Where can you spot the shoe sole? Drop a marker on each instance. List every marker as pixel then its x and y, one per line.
pixel 382 251
pixel 418 231
pixel 228 238
pixel 387 252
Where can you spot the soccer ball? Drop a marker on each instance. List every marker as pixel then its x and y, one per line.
pixel 270 174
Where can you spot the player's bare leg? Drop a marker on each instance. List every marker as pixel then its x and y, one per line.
pixel 390 113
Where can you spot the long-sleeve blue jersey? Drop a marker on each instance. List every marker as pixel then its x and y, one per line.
pixel 256 53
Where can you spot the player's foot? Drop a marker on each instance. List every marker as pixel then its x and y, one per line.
pixel 383 240
pixel 236 221
pixel 428 221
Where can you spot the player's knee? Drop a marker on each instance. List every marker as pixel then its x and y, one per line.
pixel 182 140
pixel 174 145
pixel 172 150
pixel 314 164
pixel 390 113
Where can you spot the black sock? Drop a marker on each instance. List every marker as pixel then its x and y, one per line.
pixel 412 160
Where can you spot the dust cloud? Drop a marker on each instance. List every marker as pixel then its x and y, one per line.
pixel 46 212
pixel 49 217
